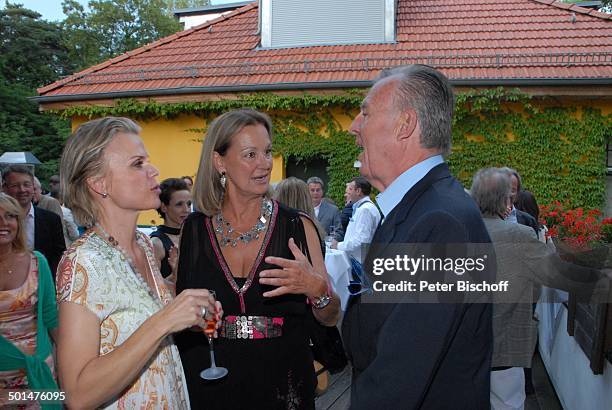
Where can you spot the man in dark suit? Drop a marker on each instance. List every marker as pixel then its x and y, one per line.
pixel 326 212
pixel 416 355
pixel 44 231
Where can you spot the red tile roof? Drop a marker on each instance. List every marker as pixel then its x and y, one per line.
pixel 471 41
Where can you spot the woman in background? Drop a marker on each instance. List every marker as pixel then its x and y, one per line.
pixel 117 314
pixel 28 314
pixel 526 202
pixel 175 207
pixel 293 192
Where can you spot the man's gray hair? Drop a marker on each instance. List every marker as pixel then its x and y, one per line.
pixel 512 171
pixel 491 188
pixel 316 180
pixel 430 94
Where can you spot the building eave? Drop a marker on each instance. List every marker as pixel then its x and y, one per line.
pixel 566 83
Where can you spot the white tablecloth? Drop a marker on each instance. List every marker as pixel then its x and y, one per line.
pixel 339 269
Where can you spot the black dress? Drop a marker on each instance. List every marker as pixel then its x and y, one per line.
pixel 162 233
pixel 274 373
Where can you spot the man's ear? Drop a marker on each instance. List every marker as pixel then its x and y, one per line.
pixel 218 162
pixel 406 124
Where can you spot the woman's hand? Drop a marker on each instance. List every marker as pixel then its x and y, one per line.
pixel 295 276
pixel 173 254
pixel 186 310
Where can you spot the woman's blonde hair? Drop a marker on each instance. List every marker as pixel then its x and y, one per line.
pixel 10 205
pixel 207 191
pixel 83 158
pixel 294 193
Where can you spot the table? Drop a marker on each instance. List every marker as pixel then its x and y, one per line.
pixel 338 267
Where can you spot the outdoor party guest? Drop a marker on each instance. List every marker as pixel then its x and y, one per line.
pixel 293 192
pixel 175 207
pixel 526 202
pixel 415 355
pixel 264 261
pixel 43 229
pixel 327 213
pixel 28 313
pixel 49 203
pixel 525 263
pixel 188 181
pixel 363 222
pixel 513 214
pixel 44 201
pixel 115 310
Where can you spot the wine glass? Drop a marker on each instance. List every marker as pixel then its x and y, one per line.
pixel 213 372
pixel 328 241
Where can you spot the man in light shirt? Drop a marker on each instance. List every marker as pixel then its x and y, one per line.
pixel 363 222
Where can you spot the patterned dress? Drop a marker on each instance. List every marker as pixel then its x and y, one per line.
pixel 18 324
pixel 96 275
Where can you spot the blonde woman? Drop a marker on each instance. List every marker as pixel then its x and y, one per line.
pixel 28 314
pixel 115 310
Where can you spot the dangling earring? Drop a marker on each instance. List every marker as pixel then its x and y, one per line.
pixel 223 179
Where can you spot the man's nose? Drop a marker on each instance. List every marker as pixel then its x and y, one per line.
pixel 356 125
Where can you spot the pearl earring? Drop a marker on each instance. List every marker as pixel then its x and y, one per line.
pixel 223 180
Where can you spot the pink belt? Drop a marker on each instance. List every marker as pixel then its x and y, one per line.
pixel 251 327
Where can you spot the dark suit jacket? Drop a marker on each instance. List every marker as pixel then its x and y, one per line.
pixel 49 237
pixel 526 219
pixel 422 356
pixel 345 216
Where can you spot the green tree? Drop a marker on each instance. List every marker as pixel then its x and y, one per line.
pixel 31 55
pixel 108 28
pixel 183 4
pixel 31 50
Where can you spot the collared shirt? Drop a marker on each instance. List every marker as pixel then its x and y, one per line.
pixel 29 227
pixel 512 216
pixel 316 209
pixel 361 227
pixel 391 197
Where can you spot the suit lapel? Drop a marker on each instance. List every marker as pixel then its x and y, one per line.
pixel 37 227
pixel 386 232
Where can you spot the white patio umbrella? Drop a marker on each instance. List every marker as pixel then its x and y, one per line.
pixel 26 158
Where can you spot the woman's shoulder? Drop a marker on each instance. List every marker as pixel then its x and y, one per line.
pixel 286 212
pixel 195 218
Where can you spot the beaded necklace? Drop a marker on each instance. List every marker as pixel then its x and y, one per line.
pixel 228 238
pixel 126 256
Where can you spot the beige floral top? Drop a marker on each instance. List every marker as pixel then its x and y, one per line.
pixel 96 275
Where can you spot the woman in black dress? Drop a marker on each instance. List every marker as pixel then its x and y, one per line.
pixel 265 264
pixel 175 207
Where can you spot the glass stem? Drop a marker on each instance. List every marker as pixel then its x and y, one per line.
pixel 212 352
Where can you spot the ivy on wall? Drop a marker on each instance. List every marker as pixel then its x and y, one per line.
pixel 559 150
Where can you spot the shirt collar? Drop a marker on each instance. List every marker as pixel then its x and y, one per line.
pixel 357 203
pixel 512 216
pixel 390 197
pixel 31 211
